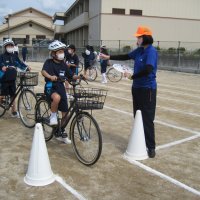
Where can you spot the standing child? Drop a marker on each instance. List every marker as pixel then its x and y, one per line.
pixel 72 60
pixel 104 63
pixel 89 58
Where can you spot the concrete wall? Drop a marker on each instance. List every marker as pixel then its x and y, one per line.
pixel 161 8
pixel 164 29
pixel 94 20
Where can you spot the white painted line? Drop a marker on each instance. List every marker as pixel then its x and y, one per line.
pixel 178 111
pixel 164 108
pixel 177 142
pixel 179 93
pixel 157 121
pixel 168 86
pixel 161 97
pixel 179 88
pixel 177 127
pixel 179 101
pixel 69 188
pixel 163 176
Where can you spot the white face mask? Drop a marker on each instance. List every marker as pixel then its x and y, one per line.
pixel 87 52
pixel 10 49
pixel 60 56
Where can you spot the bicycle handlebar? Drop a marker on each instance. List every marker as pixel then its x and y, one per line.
pixel 72 81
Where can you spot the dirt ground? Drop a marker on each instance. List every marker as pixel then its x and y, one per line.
pixel 113 177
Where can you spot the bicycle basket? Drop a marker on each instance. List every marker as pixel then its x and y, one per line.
pixel 89 98
pixel 27 78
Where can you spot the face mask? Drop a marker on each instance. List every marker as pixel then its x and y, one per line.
pixel 60 56
pixel 10 49
pixel 70 51
pixel 87 52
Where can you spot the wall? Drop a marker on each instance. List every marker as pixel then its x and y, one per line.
pixel 165 8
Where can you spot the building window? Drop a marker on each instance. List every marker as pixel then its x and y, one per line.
pixel 118 11
pixel 41 37
pixel 135 12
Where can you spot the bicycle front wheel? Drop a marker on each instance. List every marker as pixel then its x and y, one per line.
pixel 80 67
pixel 26 107
pixel 42 115
pixel 86 138
pixel 2 110
pixel 114 75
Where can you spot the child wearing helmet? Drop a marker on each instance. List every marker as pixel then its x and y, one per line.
pixel 9 63
pixel 55 91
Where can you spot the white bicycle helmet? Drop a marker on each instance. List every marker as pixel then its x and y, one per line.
pixel 8 41
pixel 56 45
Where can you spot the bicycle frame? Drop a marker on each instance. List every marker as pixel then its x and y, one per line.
pixel 18 91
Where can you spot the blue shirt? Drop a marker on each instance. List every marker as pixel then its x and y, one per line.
pixel 143 57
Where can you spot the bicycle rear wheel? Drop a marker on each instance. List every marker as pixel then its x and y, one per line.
pixel 26 107
pixel 42 115
pixel 86 138
pixel 92 74
pixel 2 110
pixel 114 75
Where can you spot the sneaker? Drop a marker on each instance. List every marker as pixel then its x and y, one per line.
pixel 15 114
pixel 66 140
pixel 53 121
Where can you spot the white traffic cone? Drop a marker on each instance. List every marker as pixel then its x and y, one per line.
pixel 39 170
pixel 136 149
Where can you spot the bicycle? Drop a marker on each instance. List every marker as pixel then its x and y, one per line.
pixel 26 101
pixel 112 74
pixel 84 133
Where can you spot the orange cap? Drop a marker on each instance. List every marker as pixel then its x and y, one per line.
pixel 143 30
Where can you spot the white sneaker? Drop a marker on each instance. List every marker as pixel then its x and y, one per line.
pixel 15 114
pixel 53 121
pixel 66 140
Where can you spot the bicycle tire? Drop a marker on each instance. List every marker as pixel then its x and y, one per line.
pixel 92 74
pixel 26 108
pixel 2 110
pixel 114 75
pixel 80 67
pixel 42 114
pixel 83 140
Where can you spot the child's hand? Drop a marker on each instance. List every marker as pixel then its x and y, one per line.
pixel 4 68
pixel 54 78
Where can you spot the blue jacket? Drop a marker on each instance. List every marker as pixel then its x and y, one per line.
pixel 10 59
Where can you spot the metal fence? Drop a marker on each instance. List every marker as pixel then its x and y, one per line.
pixel 177 56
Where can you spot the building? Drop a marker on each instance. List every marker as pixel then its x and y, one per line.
pixel 27 26
pixel 117 20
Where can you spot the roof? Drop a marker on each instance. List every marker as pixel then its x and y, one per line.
pixel 28 21
pixel 30 8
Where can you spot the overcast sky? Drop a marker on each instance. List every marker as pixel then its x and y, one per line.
pixel 46 6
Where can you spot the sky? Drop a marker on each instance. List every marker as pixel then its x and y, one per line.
pixel 47 6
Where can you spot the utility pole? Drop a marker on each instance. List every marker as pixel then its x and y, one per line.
pixel 8 26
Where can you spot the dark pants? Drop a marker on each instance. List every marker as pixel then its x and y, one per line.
pixel 24 57
pixel 144 99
